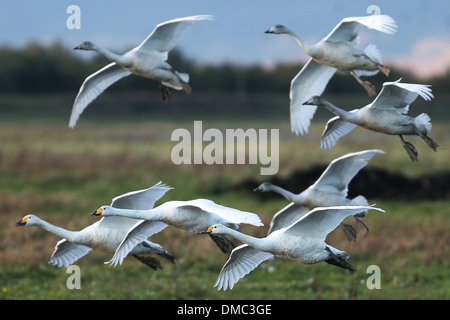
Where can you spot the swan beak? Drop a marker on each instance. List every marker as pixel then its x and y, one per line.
pixel 21 222
pixel 207 231
pixel 306 103
pixel 77 47
pixel 268 31
pixel 257 189
pixel 97 213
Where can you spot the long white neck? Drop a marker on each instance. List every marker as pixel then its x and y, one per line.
pixel 120 59
pixel 257 243
pixel 151 214
pixel 345 115
pixel 60 232
pixel 302 44
pixel 285 193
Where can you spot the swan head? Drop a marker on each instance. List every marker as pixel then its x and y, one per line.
pixel 103 211
pixel 314 101
pixel 216 229
pixel 264 187
pixel 87 45
pixel 278 29
pixel 28 220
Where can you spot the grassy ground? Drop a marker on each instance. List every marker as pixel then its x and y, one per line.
pixel 62 175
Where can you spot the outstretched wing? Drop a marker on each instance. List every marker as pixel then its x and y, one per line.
pixel 348 29
pixel 334 130
pixel 242 261
pixel 136 235
pixel 66 253
pixel 342 170
pixel 319 222
pixel 93 86
pixel 166 35
pixel 286 216
pixel 310 81
pixel 141 199
pixel 398 96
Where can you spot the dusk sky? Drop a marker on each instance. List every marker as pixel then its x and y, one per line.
pixel 422 44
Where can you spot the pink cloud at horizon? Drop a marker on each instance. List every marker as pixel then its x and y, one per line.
pixel 429 58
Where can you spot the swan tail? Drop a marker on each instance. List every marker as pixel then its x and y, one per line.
pixel 360 201
pixel 423 123
pixel 373 53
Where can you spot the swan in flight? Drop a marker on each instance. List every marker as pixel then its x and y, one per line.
pixel 107 233
pixel 193 215
pixel 331 189
pixel 337 51
pixel 147 60
pixel 302 241
pixel 386 114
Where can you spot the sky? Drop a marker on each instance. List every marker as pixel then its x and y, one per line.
pixel 236 35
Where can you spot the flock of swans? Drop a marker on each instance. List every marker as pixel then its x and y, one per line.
pixel 298 231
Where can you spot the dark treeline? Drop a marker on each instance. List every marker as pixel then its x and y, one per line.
pixel 37 68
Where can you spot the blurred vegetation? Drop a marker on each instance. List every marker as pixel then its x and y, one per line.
pixel 54 68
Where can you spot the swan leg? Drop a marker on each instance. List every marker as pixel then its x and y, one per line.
pixel 370 88
pixel 225 245
pixel 161 253
pixel 384 70
pixel 430 142
pixel 186 87
pixel 362 224
pixel 165 91
pixel 410 149
pixel 349 231
pixel 338 261
pixel 149 261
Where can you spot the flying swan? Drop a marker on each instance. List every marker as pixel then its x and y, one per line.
pixel 386 114
pixel 107 233
pixel 337 51
pixel 193 215
pixel 302 241
pixel 147 60
pixel 331 188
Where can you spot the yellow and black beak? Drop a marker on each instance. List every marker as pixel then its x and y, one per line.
pixel 207 231
pixel 21 222
pixel 97 213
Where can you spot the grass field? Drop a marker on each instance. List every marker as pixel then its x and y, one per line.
pixel 62 175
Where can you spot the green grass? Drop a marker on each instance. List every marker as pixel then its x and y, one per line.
pixel 62 175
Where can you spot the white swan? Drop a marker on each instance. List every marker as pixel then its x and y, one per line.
pixel 106 234
pixel 147 60
pixel 331 188
pixel 386 114
pixel 302 241
pixel 335 51
pixel 194 216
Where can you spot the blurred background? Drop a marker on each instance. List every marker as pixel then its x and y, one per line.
pixel 240 79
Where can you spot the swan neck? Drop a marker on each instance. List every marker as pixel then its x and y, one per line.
pixel 60 232
pixel 251 241
pixel 285 193
pixel 111 55
pixel 302 44
pixel 151 214
pixel 337 111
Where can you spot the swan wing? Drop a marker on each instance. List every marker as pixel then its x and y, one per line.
pixel 233 215
pixel 286 216
pixel 319 222
pixel 334 130
pixel 342 170
pixel 141 199
pixel 93 86
pixel 348 29
pixel 66 253
pixel 310 81
pixel 166 35
pixel 243 260
pixel 398 96
pixel 136 235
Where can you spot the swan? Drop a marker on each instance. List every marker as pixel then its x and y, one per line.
pixel 386 114
pixel 147 60
pixel 332 187
pixel 302 241
pixel 193 215
pixel 337 51
pixel 106 234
